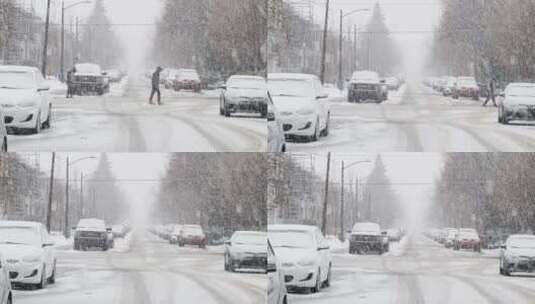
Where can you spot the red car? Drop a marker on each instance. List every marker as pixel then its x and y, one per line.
pixel 467 239
pixel 187 79
pixel 466 87
pixel 192 235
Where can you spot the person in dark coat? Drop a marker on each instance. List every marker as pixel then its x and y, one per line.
pixel 156 85
pixel 491 92
pixel 70 78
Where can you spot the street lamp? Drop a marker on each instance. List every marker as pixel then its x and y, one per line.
pixel 69 163
pixel 342 16
pixel 63 9
pixel 341 235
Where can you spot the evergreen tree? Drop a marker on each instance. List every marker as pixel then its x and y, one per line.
pixel 381 204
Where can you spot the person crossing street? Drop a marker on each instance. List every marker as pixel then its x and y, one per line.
pixel 491 92
pixel 156 85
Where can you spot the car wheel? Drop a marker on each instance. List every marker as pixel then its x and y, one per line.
pixel 231 265
pixel 327 282
pixel 318 283
pixel 315 136
pixel 225 263
pixel 52 278
pixel 4 144
pixel 38 124
pixel 325 131
pixel 44 281
pixel 105 248
pixel 263 111
pixel 47 123
pixel 225 109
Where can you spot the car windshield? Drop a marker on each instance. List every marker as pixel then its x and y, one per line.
pixel 291 239
pixel 189 75
pixel 16 80
pixel 366 227
pixel 242 83
pixel 290 87
pixel 88 68
pixel 365 76
pixel 522 243
pixel 192 230
pixel 250 239
pixel 467 234
pixel 524 91
pixel 91 223
pixel 19 235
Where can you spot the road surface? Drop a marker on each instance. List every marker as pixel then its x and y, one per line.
pixel 146 270
pixel 419 270
pixel 417 119
pixel 123 121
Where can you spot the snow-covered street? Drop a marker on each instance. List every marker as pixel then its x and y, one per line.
pixel 419 270
pixel 146 269
pixel 417 119
pixel 123 121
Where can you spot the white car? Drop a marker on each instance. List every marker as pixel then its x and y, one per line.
pixel 246 250
pixel 3 133
pixel 24 98
pixel 304 254
pixel 276 139
pixel 303 107
pixel 29 253
pixel 169 78
pixel 518 254
pixel 517 102
pixel 276 290
pixel 243 94
pixel 450 238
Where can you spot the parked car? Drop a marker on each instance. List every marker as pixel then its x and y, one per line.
pixel 246 249
pixel 276 138
pixel 29 253
pixel 392 83
pixel 518 254
pixel 303 107
pixel 192 235
pixel 304 255
pixel 467 238
pixel 366 85
pixel 187 79
pixel 119 231
pixel 243 94
pixel 90 233
pixel 90 80
pixel 3 132
pixel 394 234
pixel 169 78
pixel 276 290
pixel 449 241
pixel 517 102
pixel 449 87
pixel 175 234
pixel 24 99
pixel 114 75
pixel 466 87
pixel 368 237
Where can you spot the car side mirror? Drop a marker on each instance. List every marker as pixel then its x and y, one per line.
pixel 322 96
pixel 271 267
pixel 271 116
pixel 228 243
pixel 503 246
pixel 323 246
pixel 502 94
pixel 223 87
pixel 108 229
pixel 382 81
pixel 48 244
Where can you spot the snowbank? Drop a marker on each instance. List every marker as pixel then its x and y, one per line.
pixel 335 244
pixel 56 86
pixel 118 89
pixel 59 240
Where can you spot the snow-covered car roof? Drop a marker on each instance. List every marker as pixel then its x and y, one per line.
pixel 17 68
pixel 365 76
pixel 284 227
pixel 19 224
pixel 521 84
pixel 522 236
pixel 87 68
pixel 366 227
pixel 91 223
pixel 290 76
pixel 245 77
pixel 249 232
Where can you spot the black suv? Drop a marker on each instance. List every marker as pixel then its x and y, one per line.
pixel 90 80
pixel 90 233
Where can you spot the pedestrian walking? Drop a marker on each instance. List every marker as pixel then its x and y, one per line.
pixel 491 92
pixel 156 85
pixel 70 78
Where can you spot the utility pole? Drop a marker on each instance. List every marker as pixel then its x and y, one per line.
pixel 66 221
pixel 357 216
pixel 340 46
pixel 341 235
pixel 50 193
pixel 324 46
pixel 62 51
pixel 355 57
pixel 45 43
pixel 326 194
pixel 81 211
